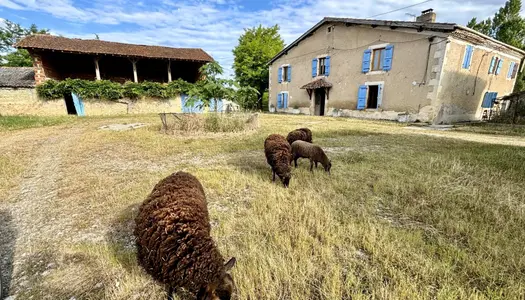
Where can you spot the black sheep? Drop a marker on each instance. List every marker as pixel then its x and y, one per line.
pixel 279 156
pixel 301 134
pixel 173 240
pixel 302 149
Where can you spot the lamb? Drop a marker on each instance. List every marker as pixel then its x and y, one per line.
pixel 279 156
pixel 302 149
pixel 301 134
pixel 173 240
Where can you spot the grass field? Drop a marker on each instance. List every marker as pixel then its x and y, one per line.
pixel 406 214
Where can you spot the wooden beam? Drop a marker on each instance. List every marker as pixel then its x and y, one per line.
pixel 169 70
pixel 97 69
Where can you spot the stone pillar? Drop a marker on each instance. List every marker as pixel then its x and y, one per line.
pixel 38 65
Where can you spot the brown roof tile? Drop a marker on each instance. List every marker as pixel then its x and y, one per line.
pixel 317 84
pixel 17 77
pixel 50 42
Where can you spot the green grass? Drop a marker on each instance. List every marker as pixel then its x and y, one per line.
pixel 23 122
pixel 403 216
pixel 496 129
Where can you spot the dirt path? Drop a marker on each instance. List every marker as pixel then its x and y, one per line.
pixel 25 214
pixel 471 137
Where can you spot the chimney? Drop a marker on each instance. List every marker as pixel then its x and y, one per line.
pixel 427 16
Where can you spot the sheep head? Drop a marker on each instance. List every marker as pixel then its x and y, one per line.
pixel 328 167
pixel 286 179
pixel 221 290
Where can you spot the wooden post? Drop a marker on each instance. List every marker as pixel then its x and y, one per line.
pixel 97 69
pixel 169 70
pixel 135 76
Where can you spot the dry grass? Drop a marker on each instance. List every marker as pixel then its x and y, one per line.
pixel 403 216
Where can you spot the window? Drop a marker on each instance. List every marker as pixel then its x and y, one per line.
pixel 467 58
pixel 285 73
pixel 322 66
pixel 378 56
pixel 282 100
pixel 330 29
pixel 373 93
pixel 370 96
pixel 515 70
pixel 495 65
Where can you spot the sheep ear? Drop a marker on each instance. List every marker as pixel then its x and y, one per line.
pixel 229 265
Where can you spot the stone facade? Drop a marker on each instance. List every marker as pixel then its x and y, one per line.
pixel 25 101
pixel 426 81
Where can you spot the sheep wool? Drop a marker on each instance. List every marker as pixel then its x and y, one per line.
pixel 279 156
pixel 301 134
pixel 173 239
pixel 302 149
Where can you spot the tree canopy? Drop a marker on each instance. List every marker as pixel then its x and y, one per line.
pixel 11 33
pixel 256 47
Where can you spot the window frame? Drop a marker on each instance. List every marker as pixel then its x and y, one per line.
pixel 495 67
pixel 373 58
pixel 323 58
pixel 284 75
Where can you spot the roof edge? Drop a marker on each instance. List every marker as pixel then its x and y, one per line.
pixel 490 38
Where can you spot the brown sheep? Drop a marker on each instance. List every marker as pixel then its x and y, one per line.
pixel 301 134
pixel 279 156
pixel 302 149
pixel 173 240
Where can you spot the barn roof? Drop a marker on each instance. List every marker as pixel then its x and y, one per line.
pixel 98 47
pixel 17 77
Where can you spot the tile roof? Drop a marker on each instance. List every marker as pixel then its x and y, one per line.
pixel 98 47
pixel 17 77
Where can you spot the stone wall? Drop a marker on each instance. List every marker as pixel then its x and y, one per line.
pixel 25 101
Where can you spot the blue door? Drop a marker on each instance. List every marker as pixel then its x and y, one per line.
pixel 79 105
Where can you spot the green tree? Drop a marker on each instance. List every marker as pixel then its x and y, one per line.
pixel 256 47
pixel 211 87
pixel 11 33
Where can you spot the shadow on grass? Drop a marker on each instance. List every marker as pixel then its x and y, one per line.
pixel 120 238
pixel 7 250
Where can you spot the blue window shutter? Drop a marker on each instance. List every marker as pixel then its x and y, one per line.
pixel 280 75
pixel 327 66
pixel 492 65
pixel 285 100
pixel 387 59
pixel 511 68
pixel 468 56
pixel 500 65
pixel 379 95
pixel 289 73
pixel 279 100
pixel 366 60
pixel 361 97
pixel 314 67
pixel 494 96
pixel 486 100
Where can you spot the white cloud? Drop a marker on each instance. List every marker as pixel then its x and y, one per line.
pixel 215 25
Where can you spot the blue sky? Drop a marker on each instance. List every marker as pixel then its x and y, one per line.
pixel 213 25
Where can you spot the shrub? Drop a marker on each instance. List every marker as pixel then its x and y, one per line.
pixel 132 90
pixel 213 122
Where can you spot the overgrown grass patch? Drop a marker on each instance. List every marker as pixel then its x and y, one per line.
pixel 23 122
pixel 403 216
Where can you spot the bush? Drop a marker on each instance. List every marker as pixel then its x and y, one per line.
pixel 213 122
pixel 109 90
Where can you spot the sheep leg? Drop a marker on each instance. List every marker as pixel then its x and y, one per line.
pixel 273 172
pixel 170 291
pixel 295 160
pixel 311 165
pixel 316 165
